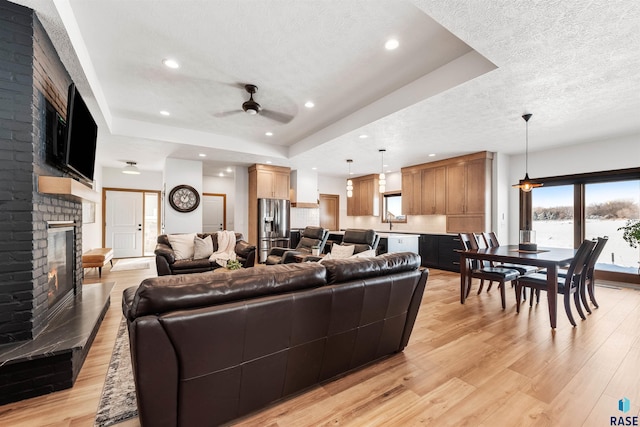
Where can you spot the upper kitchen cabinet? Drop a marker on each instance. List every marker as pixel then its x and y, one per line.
pixel 433 182
pixel 365 200
pixel 270 182
pixel 412 191
pixel 469 193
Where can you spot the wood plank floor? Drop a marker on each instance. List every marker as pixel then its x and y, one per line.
pixel 465 365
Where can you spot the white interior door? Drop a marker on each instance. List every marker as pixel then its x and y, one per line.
pixel 213 213
pixel 123 221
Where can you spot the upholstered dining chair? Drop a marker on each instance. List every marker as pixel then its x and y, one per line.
pixel 568 285
pixel 491 240
pixel 588 276
pixel 483 272
pixel 309 238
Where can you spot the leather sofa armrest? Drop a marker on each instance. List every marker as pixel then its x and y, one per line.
pixel 289 256
pixel 244 249
pixel 165 251
pixel 312 258
pixel 278 251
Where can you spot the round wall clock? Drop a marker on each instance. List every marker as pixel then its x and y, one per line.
pixel 184 198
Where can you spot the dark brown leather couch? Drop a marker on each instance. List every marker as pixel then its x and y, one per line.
pixel 208 348
pixel 166 259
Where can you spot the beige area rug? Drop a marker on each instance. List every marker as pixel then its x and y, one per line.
pixel 131 264
pixel 118 400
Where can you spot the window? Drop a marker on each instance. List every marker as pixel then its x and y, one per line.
pixel 552 210
pixel 392 208
pixel 571 208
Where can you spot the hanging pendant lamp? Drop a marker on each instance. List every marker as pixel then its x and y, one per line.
pixel 349 181
pixel 527 184
pixel 382 182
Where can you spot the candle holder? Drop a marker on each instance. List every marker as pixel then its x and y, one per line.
pixel 528 240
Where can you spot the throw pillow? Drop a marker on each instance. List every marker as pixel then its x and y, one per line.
pixel 202 248
pixel 182 245
pixel 341 251
pixel 365 254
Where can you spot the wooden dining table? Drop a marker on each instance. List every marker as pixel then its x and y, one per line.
pixel 549 258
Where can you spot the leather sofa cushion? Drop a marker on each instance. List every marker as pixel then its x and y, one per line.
pixel 187 291
pixel 342 270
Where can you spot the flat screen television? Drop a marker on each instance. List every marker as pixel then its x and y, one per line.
pixel 81 138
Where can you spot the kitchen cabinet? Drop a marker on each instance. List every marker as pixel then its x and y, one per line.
pixel 272 182
pixel 468 195
pixel 412 192
pixel 366 198
pixel 433 185
pixel 439 251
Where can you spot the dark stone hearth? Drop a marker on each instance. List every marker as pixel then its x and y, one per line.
pixel 53 360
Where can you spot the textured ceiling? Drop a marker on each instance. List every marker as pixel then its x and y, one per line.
pixel 574 65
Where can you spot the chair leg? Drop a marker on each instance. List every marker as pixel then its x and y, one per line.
pixel 567 308
pixel 481 286
pixel 519 291
pixel 469 280
pixel 490 285
pixel 503 295
pixel 591 289
pixel 576 301
pixel 583 297
pixel 531 299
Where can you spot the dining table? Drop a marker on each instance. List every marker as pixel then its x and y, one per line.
pixel 544 257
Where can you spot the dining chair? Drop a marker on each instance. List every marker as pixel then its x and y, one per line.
pixel 477 270
pixel 570 284
pixel 492 241
pixel 588 276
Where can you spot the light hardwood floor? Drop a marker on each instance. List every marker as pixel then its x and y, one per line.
pixel 472 364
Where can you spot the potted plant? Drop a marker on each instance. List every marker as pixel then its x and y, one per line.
pixel 631 234
pixel 234 265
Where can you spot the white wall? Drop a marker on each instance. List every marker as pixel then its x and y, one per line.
pixel 610 154
pixel 92 232
pixel 114 178
pixel 176 172
pixel 241 209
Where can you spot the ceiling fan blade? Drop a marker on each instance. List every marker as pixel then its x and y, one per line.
pixel 223 114
pixel 277 116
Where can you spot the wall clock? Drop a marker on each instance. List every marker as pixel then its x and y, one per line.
pixel 184 198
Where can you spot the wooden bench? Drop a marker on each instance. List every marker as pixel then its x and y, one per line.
pixel 97 258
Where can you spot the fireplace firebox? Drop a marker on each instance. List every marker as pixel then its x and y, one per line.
pixel 60 262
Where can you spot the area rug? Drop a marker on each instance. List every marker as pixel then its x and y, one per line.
pixel 118 401
pixel 131 264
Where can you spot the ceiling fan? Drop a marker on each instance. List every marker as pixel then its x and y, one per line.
pixel 251 107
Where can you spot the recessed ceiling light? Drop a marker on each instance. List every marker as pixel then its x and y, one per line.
pixel 432 155
pixel 391 44
pixel 363 136
pixel 314 168
pixel 171 63
pixel 165 113
pixel 309 104
pixel 269 133
pixel 202 155
pixel 221 174
pixel 268 162
pixel 229 170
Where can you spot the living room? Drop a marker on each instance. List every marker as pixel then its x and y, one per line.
pixel 590 119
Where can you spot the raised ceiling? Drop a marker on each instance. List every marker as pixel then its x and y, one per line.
pixel 459 81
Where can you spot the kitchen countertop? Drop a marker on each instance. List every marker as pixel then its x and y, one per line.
pixel 386 233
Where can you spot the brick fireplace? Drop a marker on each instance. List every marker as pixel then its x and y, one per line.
pixel 32 77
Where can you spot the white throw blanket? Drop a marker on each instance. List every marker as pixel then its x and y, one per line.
pixel 226 248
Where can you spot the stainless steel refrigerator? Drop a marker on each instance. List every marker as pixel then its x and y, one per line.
pixel 273 225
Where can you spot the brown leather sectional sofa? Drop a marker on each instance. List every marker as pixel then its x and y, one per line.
pixel 210 347
pixel 166 262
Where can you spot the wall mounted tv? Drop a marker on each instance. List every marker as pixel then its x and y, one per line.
pixel 81 138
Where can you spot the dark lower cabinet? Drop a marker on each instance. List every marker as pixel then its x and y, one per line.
pixel 439 251
pixel 382 246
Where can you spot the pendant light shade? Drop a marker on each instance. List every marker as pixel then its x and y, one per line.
pixel 131 169
pixel 382 182
pixel 527 184
pixel 349 181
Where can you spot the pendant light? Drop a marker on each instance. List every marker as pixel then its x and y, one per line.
pixel 382 182
pixel 527 184
pixel 131 169
pixel 349 181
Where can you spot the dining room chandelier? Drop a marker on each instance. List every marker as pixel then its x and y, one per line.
pixel 382 182
pixel 349 181
pixel 526 184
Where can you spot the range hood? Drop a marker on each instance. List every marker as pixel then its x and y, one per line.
pixel 304 189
